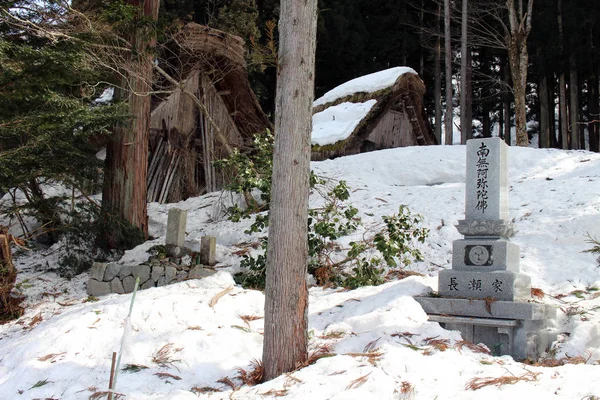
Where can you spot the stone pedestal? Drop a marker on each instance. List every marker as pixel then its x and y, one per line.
pixel 484 295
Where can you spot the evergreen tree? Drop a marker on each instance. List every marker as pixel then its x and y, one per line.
pixel 49 122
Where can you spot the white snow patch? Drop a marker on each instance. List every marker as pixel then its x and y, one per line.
pixel 338 122
pixel 368 84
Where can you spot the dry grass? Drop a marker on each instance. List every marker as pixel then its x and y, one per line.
pixel 406 390
pixel 51 357
pixel 478 383
pixel 316 354
pixel 537 293
pixel 554 362
pixel 358 382
pixel 103 394
pixel 475 348
pixel 194 328
pixel 204 389
pixel 400 274
pixel 254 375
pixel 249 318
pixel 440 344
pixel 165 356
pixel 275 393
pixel 372 356
pixel 371 346
pixel 333 335
pixel 222 293
pixel 165 375
pixel 228 382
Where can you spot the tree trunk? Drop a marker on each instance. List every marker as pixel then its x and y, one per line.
pixel 506 105
pixel 562 113
pixel 448 60
pixel 551 108
pixel 465 124
pixel 126 170
pixel 438 81
pixel 485 96
pixel 286 293
pixel 574 104
pixel 520 26
pixel 593 110
pixel 544 140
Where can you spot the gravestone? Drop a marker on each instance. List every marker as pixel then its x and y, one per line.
pixel 484 295
pixel 208 250
pixel 175 238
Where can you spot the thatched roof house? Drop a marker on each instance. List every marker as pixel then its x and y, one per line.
pixel 210 111
pixel 376 111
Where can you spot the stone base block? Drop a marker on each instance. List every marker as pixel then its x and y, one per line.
pixel 479 308
pixel 485 255
pixel 521 330
pixel 500 285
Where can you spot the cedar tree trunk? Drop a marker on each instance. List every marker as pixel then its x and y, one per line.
pixel 286 293
pixel 126 170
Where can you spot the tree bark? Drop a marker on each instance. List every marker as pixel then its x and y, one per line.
pixel 562 86
pixel 544 140
pixel 448 60
pixel 438 80
pixel 286 293
pixel 593 113
pixel 465 123
pixel 126 170
pixel 574 104
pixel 520 26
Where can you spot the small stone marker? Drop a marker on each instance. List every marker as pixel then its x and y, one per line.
pixel 208 250
pixel 484 294
pixel 176 222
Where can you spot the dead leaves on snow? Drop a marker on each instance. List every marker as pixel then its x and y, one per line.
pixel 478 383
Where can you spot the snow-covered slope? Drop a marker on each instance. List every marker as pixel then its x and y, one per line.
pixel 62 347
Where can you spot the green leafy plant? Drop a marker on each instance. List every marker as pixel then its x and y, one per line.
pixel 391 243
pixel 595 249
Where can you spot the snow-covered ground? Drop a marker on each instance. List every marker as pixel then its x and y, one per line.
pixel 384 346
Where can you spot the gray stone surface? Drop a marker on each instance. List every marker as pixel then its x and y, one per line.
pixel 170 274
pixel 97 271
pixel 500 285
pixel 480 227
pixel 485 255
pixel 199 272
pixel 157 273
pixel 116 286
pixel 181 276
pixel 176 222
pixel 208 250
pixel 112 270
pixel 143 271
pixel 97 288
pixel 477 308
pixel 486 186
pixel 126 270
pixel 128 284
pixel 162 281
pixel 148 284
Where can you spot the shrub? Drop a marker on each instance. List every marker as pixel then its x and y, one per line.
pixel 390 244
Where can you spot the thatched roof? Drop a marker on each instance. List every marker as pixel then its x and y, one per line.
pixel 220 56
pixel 366 100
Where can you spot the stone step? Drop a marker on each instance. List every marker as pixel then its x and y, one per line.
pixel 499 285
pixel 482 309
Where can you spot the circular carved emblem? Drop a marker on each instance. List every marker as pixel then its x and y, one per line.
pixel 479 255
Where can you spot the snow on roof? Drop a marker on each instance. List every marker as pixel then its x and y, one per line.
pixel 367 83
pixel 338 122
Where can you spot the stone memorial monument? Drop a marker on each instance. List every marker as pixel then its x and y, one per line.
pixel 484 295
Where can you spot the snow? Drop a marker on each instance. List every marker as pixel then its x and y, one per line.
pixel 106 96
pixel 338 122
pixel 67 341
pixel 365 84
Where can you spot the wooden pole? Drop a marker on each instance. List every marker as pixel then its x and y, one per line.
pixel 112 375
